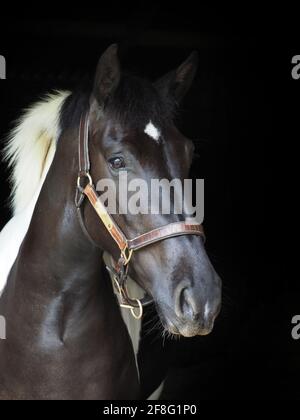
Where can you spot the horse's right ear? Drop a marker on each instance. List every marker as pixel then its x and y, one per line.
pixel 107 76
pixel 177 82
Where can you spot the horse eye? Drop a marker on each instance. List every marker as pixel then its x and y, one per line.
pixel 117 163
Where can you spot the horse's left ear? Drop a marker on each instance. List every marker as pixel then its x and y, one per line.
pixel 178 82
pixel 107 76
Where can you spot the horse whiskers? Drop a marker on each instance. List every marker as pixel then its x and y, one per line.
pixel 156 325
pixel 158 334
pixel 155 318
pixel 169 335
pixel 161 331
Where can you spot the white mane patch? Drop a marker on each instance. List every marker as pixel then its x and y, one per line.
pixel 30 151
pixel 29 145
pixel 152 131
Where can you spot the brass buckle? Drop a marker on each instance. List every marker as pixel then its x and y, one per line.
pixel 126 254
pixel 121 293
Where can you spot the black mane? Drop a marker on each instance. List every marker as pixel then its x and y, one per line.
pixel 133 104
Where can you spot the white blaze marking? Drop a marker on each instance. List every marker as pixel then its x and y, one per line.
pixel 152 131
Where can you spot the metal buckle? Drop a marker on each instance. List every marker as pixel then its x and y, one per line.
pixel 123 297
pixel 126 254
pixel 83 175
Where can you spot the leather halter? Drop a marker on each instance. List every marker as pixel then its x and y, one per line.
pixel 125 245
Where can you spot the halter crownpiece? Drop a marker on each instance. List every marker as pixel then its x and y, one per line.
pixel 85 188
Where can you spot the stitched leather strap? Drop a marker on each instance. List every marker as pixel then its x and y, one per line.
pixel 164 232
pixel 105 217
pixel 83 145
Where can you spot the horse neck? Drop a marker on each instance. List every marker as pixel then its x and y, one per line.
pixel 55 244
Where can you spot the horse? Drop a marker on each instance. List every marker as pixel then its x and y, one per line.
pixel 65 334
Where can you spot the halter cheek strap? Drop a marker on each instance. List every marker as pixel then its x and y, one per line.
pixel 85 188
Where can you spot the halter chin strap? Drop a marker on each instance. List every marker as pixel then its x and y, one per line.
pixel 125 245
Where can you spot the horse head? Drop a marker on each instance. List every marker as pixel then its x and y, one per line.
pixel 132 131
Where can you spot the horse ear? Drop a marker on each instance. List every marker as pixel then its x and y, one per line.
pixel 177 82
pixel 107 75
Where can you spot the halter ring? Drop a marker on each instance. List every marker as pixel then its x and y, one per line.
pixel 84 175
pixel 133 309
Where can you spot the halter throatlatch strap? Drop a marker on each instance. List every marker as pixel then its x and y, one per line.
pixel 85 188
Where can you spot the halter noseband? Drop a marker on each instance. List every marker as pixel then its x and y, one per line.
pixel 125 245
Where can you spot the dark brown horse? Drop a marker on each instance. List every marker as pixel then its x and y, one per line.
pixel 65 337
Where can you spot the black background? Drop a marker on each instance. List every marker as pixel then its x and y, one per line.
pixel 243 113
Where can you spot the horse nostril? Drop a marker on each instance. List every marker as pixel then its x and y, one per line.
pixel 184 304
pixel 190 308
pixel 183 301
